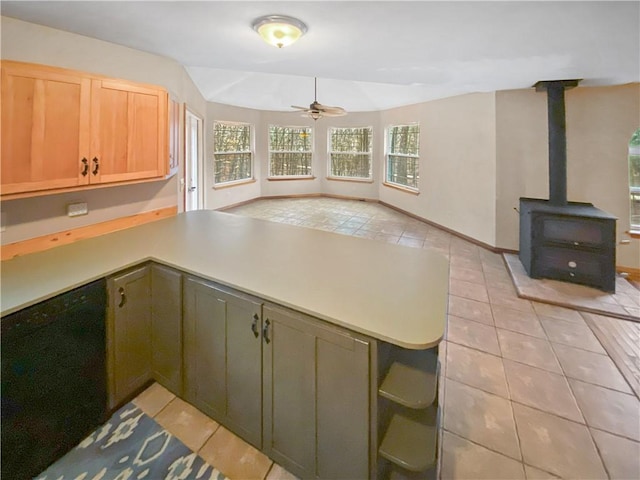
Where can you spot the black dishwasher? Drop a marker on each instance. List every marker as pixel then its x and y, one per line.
pixel 54 378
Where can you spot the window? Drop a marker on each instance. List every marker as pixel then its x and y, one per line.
pixel 634 180
pixel 232 152
pixel 290 150
pixel 403 155
pixel 350 152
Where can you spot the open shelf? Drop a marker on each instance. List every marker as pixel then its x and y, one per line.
pixel 410 386
pixel 411 444
pixel 402 474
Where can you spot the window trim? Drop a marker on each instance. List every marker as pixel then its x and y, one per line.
pixel 338 178
pixel 271 177
pixel 386 182
pixel 634 192
pixel 251 152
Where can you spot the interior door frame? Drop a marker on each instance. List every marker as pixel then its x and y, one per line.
pixel 187 114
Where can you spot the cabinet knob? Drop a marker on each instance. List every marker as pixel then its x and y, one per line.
pixel 85 167
pixel 572 264
pixel 96 165
pixel 254 325
pixel 265 331
pixel 123 298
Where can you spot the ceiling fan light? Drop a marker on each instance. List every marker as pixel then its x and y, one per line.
pixel 279 30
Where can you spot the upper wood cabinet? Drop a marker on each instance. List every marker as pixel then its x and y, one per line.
pixel 45 128
pixel 63 129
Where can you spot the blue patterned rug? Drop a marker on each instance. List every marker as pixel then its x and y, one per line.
pixel 131 446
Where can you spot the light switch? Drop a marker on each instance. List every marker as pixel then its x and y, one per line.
pixel 77 209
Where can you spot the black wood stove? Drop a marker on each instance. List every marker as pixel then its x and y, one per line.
pixel 561 240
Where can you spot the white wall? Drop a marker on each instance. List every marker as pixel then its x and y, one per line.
pixel 457 164
pixel 479 152
pixel 230 195
pixel 600 122
pixel 27 42
pixel 221 197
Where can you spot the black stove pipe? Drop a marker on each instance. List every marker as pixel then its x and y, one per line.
pixel 557 137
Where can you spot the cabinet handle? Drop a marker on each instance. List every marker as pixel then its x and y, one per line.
pixel 96 165
pixel 254 325
pixel 265 331
pixel 85 167
pixel 123 298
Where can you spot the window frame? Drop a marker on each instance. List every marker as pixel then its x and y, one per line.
pixel 387 145
pixel 634 191
pixel 270 175
pixel 251 152
pixel 331 152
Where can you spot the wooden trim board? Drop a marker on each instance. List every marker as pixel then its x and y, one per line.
pixel 632 273
pixel 45 242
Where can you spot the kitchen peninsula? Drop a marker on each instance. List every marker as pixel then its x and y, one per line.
pixel 369 314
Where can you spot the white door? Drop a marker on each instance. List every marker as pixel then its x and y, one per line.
pixel 193 195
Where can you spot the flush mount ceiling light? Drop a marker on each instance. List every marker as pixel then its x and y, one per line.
pixel 279 30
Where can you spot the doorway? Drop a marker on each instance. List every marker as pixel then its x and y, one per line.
pixel 193 191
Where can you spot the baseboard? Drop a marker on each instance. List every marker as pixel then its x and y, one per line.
pixel 372 200
pixel 239 204
pixel 479 243
pixel 45 242
pixel 631 273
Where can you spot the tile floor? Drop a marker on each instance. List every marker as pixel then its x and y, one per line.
pixel 215 444
pixel 527 389
pixel 624 303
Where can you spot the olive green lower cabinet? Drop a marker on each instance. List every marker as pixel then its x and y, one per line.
pixel 166 327
pixel 293 387
pixel 128 333
pixel 316 397
pixel 322 401
pixel 144 331
pixel 223 356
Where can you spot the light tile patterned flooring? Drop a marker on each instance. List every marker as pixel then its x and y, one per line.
pixel 527 389
pixel 215 444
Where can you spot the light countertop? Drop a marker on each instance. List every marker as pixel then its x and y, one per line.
pixel 392 293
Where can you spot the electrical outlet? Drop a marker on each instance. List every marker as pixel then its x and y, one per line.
pixel 77 209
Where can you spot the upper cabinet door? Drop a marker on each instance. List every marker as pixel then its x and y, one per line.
pixel 128 131
pixel 45 128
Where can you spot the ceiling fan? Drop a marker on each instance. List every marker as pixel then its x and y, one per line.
pixel 317 110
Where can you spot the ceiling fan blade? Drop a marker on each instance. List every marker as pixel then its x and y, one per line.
pixel 317 110
pixel 333 110
pixel 326 113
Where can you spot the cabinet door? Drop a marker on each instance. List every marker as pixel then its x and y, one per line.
pixel 129 333
pixel 315 397
pixel 45 128
pixel 223 360
pixel 128 131
pixel 166 329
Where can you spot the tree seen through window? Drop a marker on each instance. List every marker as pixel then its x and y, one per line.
pixel 290 151
pixel 232 152
pixel 403 148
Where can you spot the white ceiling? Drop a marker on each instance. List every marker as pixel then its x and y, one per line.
pixel 368 55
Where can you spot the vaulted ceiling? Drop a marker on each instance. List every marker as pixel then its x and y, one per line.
pixel 367 55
